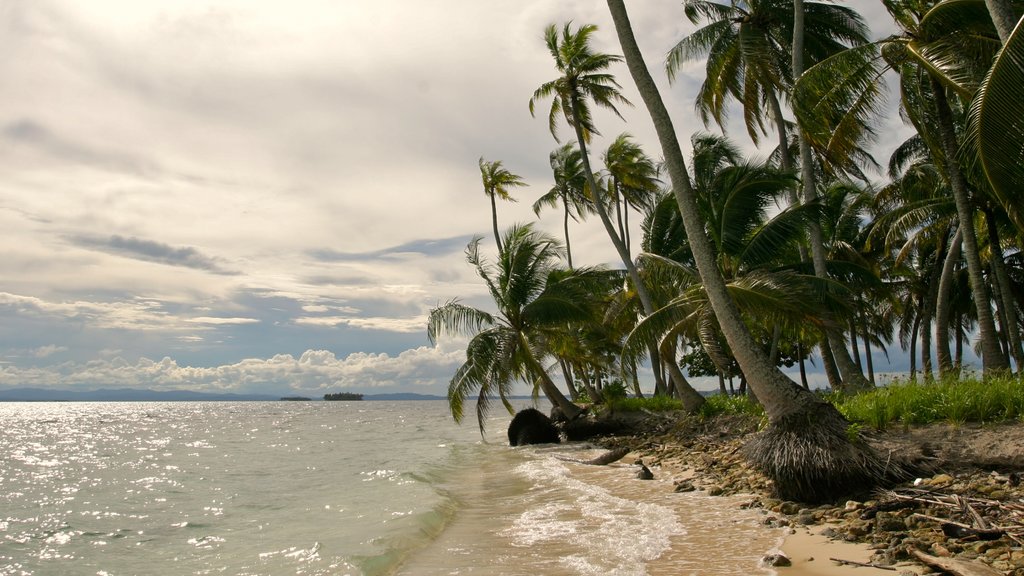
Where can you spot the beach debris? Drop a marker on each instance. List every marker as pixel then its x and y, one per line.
pixel 955 566
pixel 602 460
pixel 685 486
pixel 842 562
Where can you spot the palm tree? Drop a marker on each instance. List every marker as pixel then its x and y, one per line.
pixel 583 78
pixel 569 189
pixel 533 297
pixel 805 448
pixel 947 47
pixel 632 180
pixel 497 184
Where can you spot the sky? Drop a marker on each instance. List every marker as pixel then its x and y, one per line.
pixel 269 197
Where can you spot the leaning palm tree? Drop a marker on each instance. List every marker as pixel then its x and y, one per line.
pixel 498 183
pixel 534 297
pixel 806 449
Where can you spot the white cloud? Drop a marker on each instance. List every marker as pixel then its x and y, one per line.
pixel 425 369
pixel 49 350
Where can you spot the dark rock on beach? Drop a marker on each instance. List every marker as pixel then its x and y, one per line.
pixel 531 426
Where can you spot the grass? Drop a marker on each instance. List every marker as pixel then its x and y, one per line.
pixel 954 401
pixel 651 403
pixel 724 404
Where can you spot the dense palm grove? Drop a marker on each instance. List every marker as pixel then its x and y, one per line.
pixel 746 266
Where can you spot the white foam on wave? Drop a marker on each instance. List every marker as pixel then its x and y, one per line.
pixel 591 520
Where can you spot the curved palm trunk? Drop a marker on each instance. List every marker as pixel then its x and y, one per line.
pixel 494 221
pixel 691 399
pixel 1002 14
pixel 943 306
pixel 913 346
pixel 551 391
pixel 780 395
pixel 828 362
pixel 992 358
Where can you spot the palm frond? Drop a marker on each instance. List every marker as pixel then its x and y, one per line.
pixel 456 318
pixel 838 99
pixel 996 127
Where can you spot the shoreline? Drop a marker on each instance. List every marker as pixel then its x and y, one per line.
pixel 971 463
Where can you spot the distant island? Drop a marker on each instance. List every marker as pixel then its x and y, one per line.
pixel 26 394
pixel 343 396
pixel 295 399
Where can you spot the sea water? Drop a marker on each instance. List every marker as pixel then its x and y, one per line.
pixel 318 488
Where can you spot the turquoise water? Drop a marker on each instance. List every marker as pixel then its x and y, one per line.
pixel 334 488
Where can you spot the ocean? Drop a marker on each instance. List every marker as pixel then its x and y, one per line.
pixel 337 488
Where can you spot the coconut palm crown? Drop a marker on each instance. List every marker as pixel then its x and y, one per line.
pixel 534 297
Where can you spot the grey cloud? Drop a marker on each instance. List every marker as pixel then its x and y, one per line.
pixel 28 132
pixel 151 251
pixel 429 248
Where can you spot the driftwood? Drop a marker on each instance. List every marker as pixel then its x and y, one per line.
pixel 606 458
pixel 955 566
pixel 999 518
pixel 862 564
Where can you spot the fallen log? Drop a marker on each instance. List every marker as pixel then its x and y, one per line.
pixel 606 458
pixel 955 566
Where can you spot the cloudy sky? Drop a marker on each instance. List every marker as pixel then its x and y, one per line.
pixel 269 196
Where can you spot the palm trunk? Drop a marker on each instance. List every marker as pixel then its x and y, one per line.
pixel 803 365
pixel 868 361
pixel 943 306
pixel 551 391
pixel 565 228
pixel 852 377
pixel 913 346
pixel 574 394
pixel 1003 16
pixel 691 399
pixel 853 343
pixel 1007 307
pixel 828 362
pixel 494 222
pixel 992 359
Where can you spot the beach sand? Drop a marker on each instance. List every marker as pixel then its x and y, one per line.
pixel 811 554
